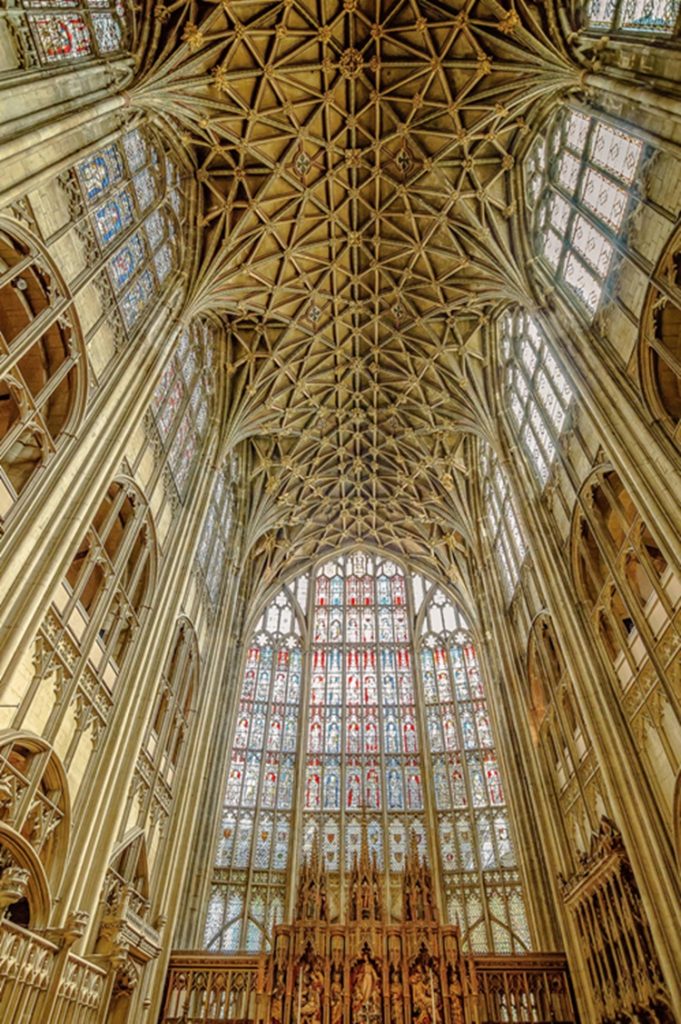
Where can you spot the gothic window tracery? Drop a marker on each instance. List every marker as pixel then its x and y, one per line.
pixel 581 175
pixel 216 535
pixel 358 775
pixel 649 17
pixel 64 32
pixel 537 392
pixel 250 876
pixel 481 882
pixel 363 750
pixel 131 189
pixel 181 403
pixel 42 366
pixel 505 535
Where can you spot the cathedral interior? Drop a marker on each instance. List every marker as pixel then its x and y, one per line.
pixel 340 490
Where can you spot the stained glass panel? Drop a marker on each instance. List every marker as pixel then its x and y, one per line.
pixel 473 826
pixel 256 818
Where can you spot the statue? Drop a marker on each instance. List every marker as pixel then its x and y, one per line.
pixel 366 993
pixel 336 995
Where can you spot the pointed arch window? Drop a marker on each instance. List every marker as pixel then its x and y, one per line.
pixel 131 189
pixel 537 392
pixel 505 535
pixel 250 876
pixel 372 701
pixel 582 176
pixel 482 886
pixel 69 32
pixel 658 17
pixel 216 536
pixel 181 402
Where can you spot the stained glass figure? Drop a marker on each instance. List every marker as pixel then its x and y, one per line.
pixel 649 17
pixel 581 178
pixel 66 30
pixel 362 692
pixel 132 207
pixel 473 827
pixel 253 849
pixel 538 393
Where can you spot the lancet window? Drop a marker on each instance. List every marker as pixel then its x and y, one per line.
pixel 213 552
pixel 582 178
pixel 505 536
pixel 363 766
pixel 482 887
pixel 537 392
pixel 250 877
pixel 181 402
pixel 359 778
pixel 131 189
pixel 658 17
pixel 42 364
pixel 68 31
pixel 632 592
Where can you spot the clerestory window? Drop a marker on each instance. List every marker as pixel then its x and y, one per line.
pixel 537 393
pixel 582 177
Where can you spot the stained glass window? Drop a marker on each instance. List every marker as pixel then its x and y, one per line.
pixel 181 401
pixel 359 766
pixel 132 191
pixel 66 31
pixel 581 180
pixel 537 392
pixel 363 762
pixel 250 875
pixel 657 17
pixel 214 544
pixel 505 535
pixel 482 887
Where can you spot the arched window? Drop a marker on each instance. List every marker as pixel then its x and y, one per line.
pixel 633 596
pixel 648 17
pixel 213 551
pixel 482 885
pixel 42 364
pixel 250 878
pixel 358 768
pixel 505 535
pixel 660 340
pixel 537 393
pixel 131 190
pixel 582 175
pixel 67 31
pixel 180 406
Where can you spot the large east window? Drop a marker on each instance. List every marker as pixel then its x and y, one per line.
pixel 383 726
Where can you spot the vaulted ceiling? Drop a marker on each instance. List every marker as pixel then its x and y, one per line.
pixel 360 206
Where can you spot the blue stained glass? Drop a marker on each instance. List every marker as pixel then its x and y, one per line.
pixel 113 217
pixel 99 172
pixel 137 297
pixel 126 261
